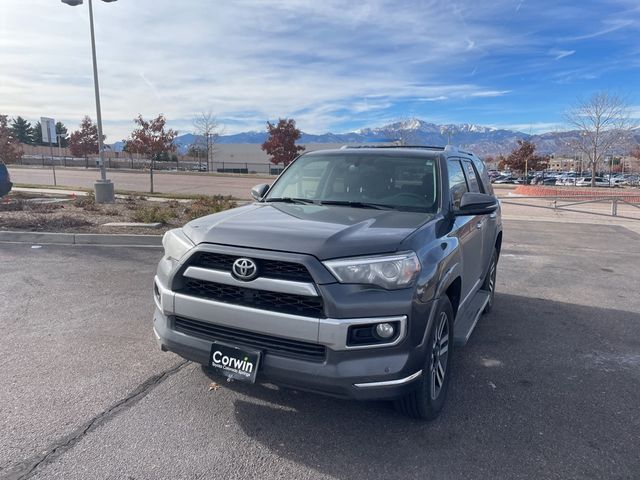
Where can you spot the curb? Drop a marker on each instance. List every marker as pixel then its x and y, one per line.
pixel 82 239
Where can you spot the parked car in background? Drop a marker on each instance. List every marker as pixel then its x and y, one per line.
pixel 5 180
pixel 545 181
pixel 586 182
pixel 504 179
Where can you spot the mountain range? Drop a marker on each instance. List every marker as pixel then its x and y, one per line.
pixel 479 139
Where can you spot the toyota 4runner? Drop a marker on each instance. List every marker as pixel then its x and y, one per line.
pixel 353 275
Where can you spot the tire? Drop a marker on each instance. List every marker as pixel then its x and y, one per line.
pixel 489 284
pixel 427 400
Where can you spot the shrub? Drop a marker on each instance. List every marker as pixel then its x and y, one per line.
pixel 87 202
pixel 110 211
pixel 13 205
pixel 207 205
pixel 153 215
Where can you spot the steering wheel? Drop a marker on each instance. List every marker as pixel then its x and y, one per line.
pixel 408 195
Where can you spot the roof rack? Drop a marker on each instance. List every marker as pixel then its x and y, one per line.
pixel 426 147
pixel 454 149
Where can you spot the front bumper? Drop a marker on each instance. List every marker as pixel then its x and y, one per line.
pixel 380 373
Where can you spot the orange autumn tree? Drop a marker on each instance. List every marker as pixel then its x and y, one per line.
pixel 152 139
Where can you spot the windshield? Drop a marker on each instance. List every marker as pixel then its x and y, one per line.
pixel 360 181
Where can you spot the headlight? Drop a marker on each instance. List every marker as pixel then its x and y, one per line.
pixel 176 244
pixel 389 271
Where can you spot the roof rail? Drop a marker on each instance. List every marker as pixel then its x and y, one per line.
pixel 426 147
pixel 454 149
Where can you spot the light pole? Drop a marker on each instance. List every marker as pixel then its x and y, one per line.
pixel 103 187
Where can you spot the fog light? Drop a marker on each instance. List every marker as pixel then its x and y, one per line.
pixel 385 330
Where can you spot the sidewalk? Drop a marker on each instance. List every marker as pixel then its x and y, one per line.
pixel 83 193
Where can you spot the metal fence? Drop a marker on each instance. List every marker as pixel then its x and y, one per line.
pixel 144 164
pixel 567 204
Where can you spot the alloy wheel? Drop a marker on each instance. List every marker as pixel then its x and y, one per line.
pixel 439 355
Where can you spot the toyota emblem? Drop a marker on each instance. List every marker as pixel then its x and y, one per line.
pixel 245 269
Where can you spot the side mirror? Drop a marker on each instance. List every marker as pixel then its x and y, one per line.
pixel 477 204
pixel 259 191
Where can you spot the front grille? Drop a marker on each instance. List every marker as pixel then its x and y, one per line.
pixel 266 268
pixel 248 297
pixel 267 343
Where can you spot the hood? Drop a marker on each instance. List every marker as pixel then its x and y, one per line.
pixel 323 231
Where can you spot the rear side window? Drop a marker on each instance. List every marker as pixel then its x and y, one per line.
pixel 472 177
pixel 484 175
pixel 457 182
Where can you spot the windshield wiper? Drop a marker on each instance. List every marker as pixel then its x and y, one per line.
pixel 375 206
pixel 303 201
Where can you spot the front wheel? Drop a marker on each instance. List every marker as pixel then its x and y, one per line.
pixel 427 400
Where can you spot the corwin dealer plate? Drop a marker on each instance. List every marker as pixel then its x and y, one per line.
pixel 234 362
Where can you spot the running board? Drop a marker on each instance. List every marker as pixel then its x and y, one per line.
pixel 463 328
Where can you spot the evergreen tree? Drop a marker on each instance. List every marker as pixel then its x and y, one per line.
pixel 62 132
pixel 22 130
pixel 36 134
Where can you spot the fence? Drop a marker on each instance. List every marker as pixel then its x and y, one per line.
pixel 559 200
pixel 144 164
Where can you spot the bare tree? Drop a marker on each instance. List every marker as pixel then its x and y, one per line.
pixel 208 129
pixel 603 122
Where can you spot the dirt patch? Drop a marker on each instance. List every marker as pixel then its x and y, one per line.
pixel 83 215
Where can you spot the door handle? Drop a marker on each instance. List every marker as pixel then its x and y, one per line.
pixel 479 225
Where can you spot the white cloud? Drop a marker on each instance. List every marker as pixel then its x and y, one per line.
pixel 268 60
pixel 490 93
pixel 557 53
pixel 610 26
pixel 324 62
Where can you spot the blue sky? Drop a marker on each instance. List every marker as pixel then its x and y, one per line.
pixel 332 65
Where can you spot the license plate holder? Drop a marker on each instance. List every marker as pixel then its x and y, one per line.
pixel 237 363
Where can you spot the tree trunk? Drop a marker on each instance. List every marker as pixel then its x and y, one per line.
pixel 151 174
pixel 593 167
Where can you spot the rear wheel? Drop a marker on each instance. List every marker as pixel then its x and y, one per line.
pixel 426 401
pixel 490 281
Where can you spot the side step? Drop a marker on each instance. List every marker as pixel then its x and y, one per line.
pixel 467 322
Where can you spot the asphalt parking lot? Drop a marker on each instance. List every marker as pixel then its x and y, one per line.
pixel 548 387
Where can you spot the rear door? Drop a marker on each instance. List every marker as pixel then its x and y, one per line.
pixel 466 228
pixel 489 222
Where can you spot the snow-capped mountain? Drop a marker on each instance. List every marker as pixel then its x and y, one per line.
pixel 477 138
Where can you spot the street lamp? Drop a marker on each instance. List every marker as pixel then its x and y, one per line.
pixel 103 187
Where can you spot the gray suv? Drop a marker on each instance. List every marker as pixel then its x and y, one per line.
pixel 353 275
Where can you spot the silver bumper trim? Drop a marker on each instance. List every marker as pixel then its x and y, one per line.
pixel 260 283
pixel 165 302
pixel 390 383
pixel 331 332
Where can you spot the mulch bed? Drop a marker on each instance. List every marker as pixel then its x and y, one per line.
pixel 30 213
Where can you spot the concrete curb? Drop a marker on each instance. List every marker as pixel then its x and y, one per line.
pixel 82 239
